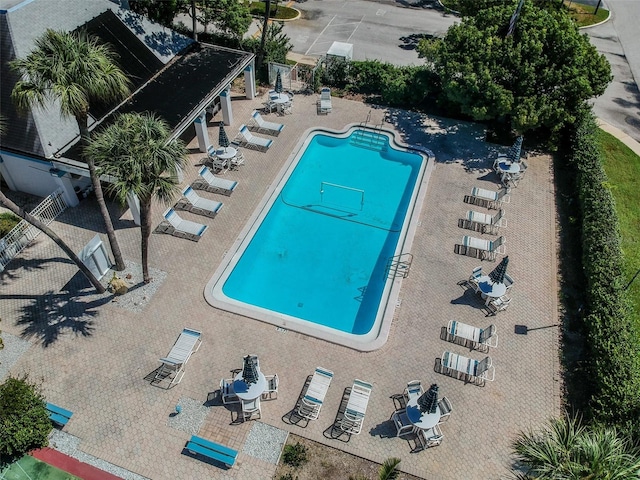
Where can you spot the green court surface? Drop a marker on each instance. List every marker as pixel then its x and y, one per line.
pixel 29 468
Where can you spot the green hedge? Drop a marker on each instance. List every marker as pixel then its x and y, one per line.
pixel 397 86
pixel 7 221
pixel 613 339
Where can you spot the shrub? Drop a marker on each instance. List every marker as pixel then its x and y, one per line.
pixel 7 221
pixel 294 455
pixel 24 421
pixel 612 337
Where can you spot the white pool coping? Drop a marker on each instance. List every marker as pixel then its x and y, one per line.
pixel 379 332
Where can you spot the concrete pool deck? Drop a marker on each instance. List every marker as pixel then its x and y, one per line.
pixel 99 356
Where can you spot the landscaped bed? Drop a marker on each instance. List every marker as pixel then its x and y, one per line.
pixel 326 463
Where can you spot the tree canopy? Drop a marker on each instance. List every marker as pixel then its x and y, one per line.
pixel 535 78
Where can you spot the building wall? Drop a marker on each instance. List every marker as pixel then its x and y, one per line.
pixel 26 174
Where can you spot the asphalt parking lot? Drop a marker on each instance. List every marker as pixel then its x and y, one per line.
pixel 385 31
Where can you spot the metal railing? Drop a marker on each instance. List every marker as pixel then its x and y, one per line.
pixel 23 233
pixel 399 265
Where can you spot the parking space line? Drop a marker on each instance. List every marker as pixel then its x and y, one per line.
pixel 323 30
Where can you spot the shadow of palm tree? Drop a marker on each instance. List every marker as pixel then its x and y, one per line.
pixel 71 310
pixel 12 270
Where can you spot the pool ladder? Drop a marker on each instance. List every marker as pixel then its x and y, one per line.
pixel 370 136
pixel 399 265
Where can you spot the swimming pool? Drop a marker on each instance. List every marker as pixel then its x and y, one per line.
pixel 315 255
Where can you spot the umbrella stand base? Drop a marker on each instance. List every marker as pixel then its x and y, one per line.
pixel 521 329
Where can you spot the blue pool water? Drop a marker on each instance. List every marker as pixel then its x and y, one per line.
pixel 320 253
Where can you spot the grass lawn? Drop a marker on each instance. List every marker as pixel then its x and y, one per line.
pixel 29 468
pixel 623 169
pixel 582 14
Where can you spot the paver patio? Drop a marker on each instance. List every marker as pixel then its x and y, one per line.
pixel 98 354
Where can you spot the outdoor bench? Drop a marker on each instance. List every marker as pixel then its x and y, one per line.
pixel 212 450
pixel 58 415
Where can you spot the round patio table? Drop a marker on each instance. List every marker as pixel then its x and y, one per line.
pixel 280 98
pixel 249 392
pixel 491 289
pixel 226 153
pixel 509 167
pixel 421 420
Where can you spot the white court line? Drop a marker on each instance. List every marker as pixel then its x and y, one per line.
pixel 323 30
pixel 17 463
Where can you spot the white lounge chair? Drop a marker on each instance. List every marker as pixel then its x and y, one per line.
pixel 476 371
pixel 485 222
pixel 246 139
pixel 473 337
pixel 197 204
pixel 182 228
pixel 353 417
pixel 489 198
pixel 324 102
pixel 187 343
pixel 311 403
pixel 488 248
pixel 209 182
pixel 263 126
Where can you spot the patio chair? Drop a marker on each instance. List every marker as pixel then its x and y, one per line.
pixel 272 387
pixel 498 304
pixel 197 204
pixel 488 249
pixel 250 407
pixel 324 102
pixel 413 389
pixel 209 182
pixel 476 371
pixel 269 106
pixel 354 414
pixel 402 423
pixel 311 403
pixel 263 126
pixel 476 273
pixel 173 364
pixel 486 222
pixel 489 198
pixel 473 337
pixel 218 164
pixel 236 161
pixel 428 438
pixel 246 139
pixel 445 409
pixel 508 281
pixel 182 228
pixel 227 393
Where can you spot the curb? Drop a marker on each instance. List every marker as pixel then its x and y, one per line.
pixel 620 135
pixel 599 23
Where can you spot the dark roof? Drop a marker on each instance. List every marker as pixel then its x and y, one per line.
pixel 21 133
pixel 132 56
pixel 178 92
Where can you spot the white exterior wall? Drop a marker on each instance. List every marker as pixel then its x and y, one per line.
pixel 28 175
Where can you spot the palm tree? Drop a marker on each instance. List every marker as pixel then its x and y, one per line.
pixel 53 236
pixel 136 150
pixel 567 450
pixel 263 38
pixel 76 71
